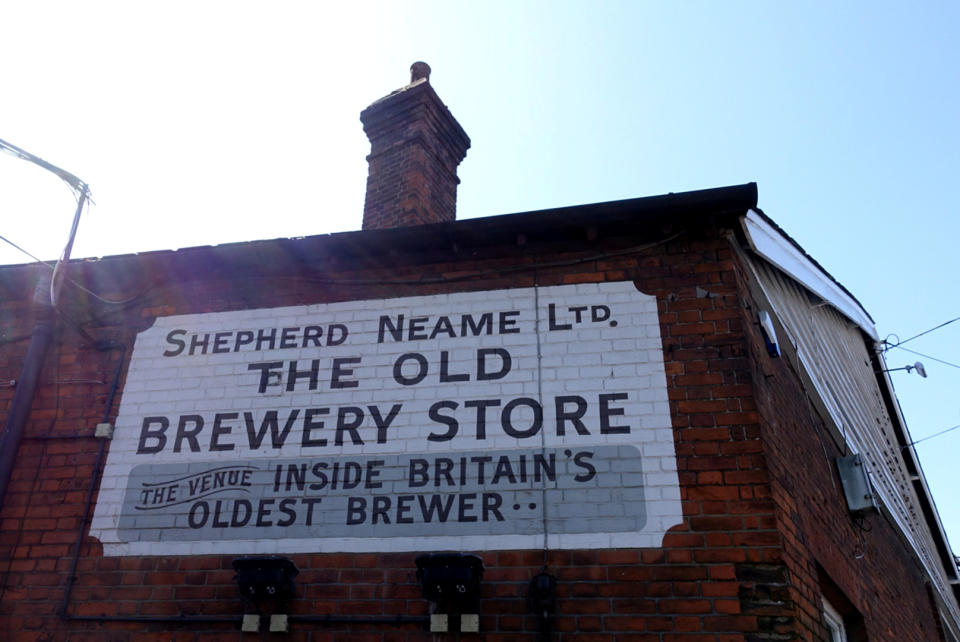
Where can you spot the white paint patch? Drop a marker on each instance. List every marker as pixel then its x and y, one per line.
pixel 481 420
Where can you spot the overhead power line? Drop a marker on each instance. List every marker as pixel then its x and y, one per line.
pixel 6 240
pixel 64 175
pixel 82 191
pixel 927 356
pixel 52 267
pixel 936 434
pixel 916 336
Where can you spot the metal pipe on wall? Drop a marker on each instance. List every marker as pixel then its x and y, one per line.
pixel 26 384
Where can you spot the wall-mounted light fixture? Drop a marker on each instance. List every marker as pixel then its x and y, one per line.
pixel 917 366
pixel 452 582
pixel 542 600
pixel 266 583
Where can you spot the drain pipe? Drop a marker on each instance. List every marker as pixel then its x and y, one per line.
pixel 27 384
pixel 44 303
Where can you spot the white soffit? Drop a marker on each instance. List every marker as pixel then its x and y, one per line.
pixel 769 243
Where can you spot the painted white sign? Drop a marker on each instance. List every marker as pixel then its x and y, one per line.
pixel 501 419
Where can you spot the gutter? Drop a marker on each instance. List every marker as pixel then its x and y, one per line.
pixel 26 384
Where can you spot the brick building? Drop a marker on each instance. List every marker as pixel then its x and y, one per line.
pixel 643 417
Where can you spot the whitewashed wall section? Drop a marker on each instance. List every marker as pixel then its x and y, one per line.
pixel 480 420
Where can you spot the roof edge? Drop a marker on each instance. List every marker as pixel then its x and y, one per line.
pixel 773 244
pixel 731 199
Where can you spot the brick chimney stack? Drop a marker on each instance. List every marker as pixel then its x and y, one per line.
pixel 415 147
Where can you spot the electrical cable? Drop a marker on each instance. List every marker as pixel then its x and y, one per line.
pixel 483 273
pixel 936 434
pixel 860 546
pixel 927 356
pixel 81 192
pixel 422 281
pixel 357 282
pixel 6 240
pixel 430 281
pixel 53 268
pixel 64 260
pixel 916 336
pixel 23 154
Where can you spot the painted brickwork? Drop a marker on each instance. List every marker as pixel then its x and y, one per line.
pixel 740 567
pixel 480 420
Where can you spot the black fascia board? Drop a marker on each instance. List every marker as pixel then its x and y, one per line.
pixel 556 223
pixel 346 250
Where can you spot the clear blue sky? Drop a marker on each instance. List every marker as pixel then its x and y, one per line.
pixel 204 123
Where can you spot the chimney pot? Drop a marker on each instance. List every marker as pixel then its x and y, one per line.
pixel 419 70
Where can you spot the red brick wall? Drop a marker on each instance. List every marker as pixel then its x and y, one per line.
pixel 721 576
